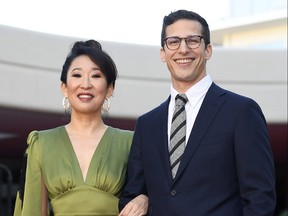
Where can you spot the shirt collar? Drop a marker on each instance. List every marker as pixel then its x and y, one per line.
pixel 195 93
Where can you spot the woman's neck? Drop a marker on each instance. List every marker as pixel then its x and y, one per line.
pixel 86 125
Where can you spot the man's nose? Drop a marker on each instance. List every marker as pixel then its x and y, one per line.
pixel 183 46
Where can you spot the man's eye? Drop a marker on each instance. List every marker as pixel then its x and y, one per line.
pixel 174 41
pixel 193 41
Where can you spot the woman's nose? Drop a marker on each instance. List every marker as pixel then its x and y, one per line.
pixel 86 83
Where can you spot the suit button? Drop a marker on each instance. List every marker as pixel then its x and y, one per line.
pixel 173 193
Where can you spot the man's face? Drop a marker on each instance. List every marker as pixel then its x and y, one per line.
pixel 186 65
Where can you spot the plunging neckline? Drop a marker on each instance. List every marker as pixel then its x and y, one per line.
pixel 75 158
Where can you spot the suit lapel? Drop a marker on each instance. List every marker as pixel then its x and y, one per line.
pixel 161 122
pixel 209 109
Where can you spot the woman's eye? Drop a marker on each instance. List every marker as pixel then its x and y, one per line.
pixel 76 75
pixel 96 76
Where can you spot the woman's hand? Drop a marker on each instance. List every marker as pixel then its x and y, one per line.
pixel 136 207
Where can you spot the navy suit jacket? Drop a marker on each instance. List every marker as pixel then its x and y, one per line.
pixel 227 167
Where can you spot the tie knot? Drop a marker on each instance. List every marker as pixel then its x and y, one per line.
pixel 181 100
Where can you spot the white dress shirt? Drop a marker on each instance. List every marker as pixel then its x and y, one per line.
pixel 195 97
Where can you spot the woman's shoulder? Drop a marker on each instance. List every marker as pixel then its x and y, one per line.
pixel 120 131
pixel 120 139
pixel 35 135
pixel 120 134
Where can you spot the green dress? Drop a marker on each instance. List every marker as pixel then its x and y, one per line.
pixel 50 153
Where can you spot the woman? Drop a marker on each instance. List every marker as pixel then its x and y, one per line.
pixel 79 167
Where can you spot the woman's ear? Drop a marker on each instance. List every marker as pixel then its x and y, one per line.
pixel 64 89
pixel 110 90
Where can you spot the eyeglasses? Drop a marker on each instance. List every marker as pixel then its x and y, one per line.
pixel 192 41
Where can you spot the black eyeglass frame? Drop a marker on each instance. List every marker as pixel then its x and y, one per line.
pixel 185 39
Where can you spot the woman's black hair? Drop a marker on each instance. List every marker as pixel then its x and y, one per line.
pixel 93 50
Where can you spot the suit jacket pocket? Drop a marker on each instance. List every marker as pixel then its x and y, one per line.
pixel 217 140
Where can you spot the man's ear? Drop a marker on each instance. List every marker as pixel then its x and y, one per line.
pixel 162 55
pixel 208 52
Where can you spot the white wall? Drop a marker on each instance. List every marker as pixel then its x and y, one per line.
pixel 31 62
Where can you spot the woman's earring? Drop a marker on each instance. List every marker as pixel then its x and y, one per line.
pixel 107 107
pixel 66 104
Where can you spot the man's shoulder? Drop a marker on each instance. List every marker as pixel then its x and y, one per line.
pixel 233 99
pixel 228 93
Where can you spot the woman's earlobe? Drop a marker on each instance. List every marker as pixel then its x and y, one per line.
pixel 63 89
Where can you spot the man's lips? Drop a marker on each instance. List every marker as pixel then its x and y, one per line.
pixel 183 60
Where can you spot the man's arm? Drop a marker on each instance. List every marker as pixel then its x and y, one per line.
pixel 254 161
pixel 135 184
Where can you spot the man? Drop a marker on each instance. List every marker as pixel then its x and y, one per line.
pixel 227 165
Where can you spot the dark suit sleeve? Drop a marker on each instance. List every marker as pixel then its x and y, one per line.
pixel 254 161
pixel 135 176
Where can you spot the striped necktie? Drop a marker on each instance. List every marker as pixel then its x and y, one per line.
pixel 178 133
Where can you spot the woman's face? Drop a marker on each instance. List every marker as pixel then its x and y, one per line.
pixel 86 86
